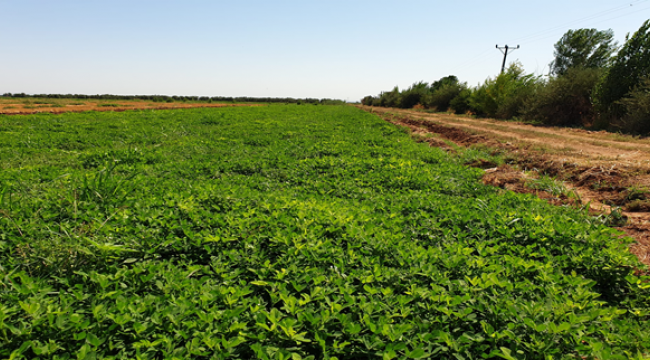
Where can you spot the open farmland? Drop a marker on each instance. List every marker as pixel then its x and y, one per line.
pixel 291 232
pixel 24 106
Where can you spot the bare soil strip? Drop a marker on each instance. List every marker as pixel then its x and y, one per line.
pixel 26 109
pixel 579 145
pixel 609 173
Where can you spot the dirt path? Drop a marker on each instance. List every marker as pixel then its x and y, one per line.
pixel 609 173
pixel 579 148
pixel 582 146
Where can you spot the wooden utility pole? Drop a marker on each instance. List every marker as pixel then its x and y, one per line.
pixel 505 55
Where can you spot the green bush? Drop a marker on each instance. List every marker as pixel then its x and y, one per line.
pixel 392 98
pixel 441 98
pixel 504 96
pixel 368 100
pixel 414 95
pixel 447 80
pixel 586 48
pixel 637 110
pixel 629 67
pixel 460 104
pixel 565 100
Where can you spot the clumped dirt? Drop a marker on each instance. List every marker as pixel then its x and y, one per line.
pixel 456 135
pixel 26 109
pixel 642 246
pixel 611 176
pixel 509 178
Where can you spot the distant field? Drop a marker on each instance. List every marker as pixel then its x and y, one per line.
pixel 17 106
pixel 291 232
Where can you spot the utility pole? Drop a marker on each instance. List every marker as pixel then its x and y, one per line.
pixel 505 55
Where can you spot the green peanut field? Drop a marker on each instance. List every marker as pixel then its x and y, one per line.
pixel 291 232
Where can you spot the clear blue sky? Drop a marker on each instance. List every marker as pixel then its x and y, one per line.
pixel 334 49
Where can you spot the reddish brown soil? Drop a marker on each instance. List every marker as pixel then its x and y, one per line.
pixel 609 176
pixel 25 109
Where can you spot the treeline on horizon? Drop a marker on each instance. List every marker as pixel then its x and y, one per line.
pixel 174 98
pixel 593 83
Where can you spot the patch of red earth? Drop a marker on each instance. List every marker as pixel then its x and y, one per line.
pixel 19 109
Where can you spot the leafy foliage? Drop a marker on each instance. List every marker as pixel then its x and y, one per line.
pixel 461 103
pixel 414 95
pixel 442 97
pixel 630 66
pixel 589 87
pixel 565 100
pixel 392 98
pixel 504 97
pixel 583 48
pixel 637 110
pixel 445 81
pixel 290 232
pixel 368 100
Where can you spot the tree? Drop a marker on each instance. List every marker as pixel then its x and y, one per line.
pixel 447 80
pixel 629 67
pixel 565 100
pixel 413 95
pixel 586 48
pixel 637 110
pixel 504 97
pixel 442 97
pixel 368 100
pixel 392 98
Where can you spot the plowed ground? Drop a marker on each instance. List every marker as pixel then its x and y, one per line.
pixel 609 173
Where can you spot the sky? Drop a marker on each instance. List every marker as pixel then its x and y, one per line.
pixel 318 49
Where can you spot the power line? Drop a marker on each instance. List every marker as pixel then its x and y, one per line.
pixel 590 17
pixel 542 37
pixel 551 32
pixel 471 61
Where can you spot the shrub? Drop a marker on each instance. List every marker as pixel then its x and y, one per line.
pixel 565 100
pixel 392 98
pixel 414 95
pixel 441 98
pixel 637 110
pixel 368 100
pixel 504 96
pixel 460 104
pixel 447 80
pixel 628 69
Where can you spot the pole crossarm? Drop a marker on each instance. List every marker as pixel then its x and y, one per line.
pixel 505 54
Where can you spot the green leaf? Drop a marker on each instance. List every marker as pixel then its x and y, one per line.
pixel 506 353
pixel 563 327
pixel 417 354
pixel 94 340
